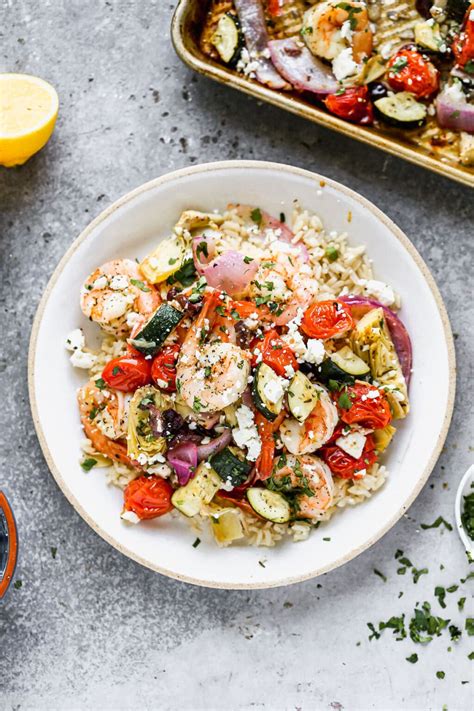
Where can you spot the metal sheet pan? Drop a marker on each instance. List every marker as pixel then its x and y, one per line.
pixel 187 23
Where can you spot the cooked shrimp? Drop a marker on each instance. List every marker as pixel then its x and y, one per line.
pixel 332 26
pixel 115 296
pixel 310 474
pixel 287 281
pixel 315 431
pixel 104 416
pixel 210 375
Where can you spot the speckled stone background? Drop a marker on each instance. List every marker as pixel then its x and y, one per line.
pixel 90 629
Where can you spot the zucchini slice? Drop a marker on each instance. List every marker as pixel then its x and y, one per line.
pixel 167 258
pixel 230 467
pixel 401 110
pixel 428 36
pixel 266 392
pixel 269 504
pixel 302 397
pixel 228 39
pixel 343 367
pixel 199 490
pixel 154 333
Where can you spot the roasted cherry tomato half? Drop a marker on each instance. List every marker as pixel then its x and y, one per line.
pixel 266 430
pixel 346 467
pixel 363 404
pixel 327 319
pixel 148 497
pixel 163 369
pixel 127 373
pixel 463 44
pixel 409 70
pixel 353 104
pixel 275 353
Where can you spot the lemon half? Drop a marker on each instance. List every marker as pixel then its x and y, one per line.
pixel 28 112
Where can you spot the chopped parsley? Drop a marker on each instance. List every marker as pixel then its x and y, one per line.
pixel 282 217
pixel 202 249
pixel 261 563
pixel 413 658
pixel 88 464
pixel 344 402
pixel 247 260
pixel 461 603
pixel 197 404
pixel 140 284
pixel 418 573
pixel 423 625
pixel 196 542
pixel 116 370
pixel 17 584
pixel 185 275
pixel 373 632
pixel 100 383
pixel 256 216
pixel 469 67
pixel 440 674
pixel 397 625
pixel 381 575
pixel 470 626
pixel 399 64
pixel 54 551
pixel 331 254
pixel 436 524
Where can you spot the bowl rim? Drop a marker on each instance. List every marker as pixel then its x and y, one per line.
pixel 242 165
pixel 458 508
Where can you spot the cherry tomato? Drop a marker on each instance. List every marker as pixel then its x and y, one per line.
pixel 346 467
pixel 275 352
pixel 363 404
pixel 148 497
pixel 127 373
pixel 245 309
pixel 163 369
pixel 463 44
pixel 274 7
pixel 409 70
pixel 327 319
pixel 266 430
pixel 353 104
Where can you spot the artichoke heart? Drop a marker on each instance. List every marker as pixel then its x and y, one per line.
pixel 144 423
pixel 383 437
pixel 192 220
pixel 372 342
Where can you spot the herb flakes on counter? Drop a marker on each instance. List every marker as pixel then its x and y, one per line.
pixel 413 658
pixel 54 551
pixel 470 626
pixel 424 626
pixel 196 542
pixel 436 524
pixel 381 575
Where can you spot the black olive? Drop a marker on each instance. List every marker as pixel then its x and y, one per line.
pixel 377 90
pixel 424 7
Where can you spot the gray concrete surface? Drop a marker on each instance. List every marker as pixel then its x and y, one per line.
pixel 90 629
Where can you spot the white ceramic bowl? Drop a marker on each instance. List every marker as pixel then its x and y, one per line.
pixel 131 227
pixel 464 488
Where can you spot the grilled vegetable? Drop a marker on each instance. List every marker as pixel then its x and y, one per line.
pixel 302 397
pixel 154 333
pixel 226 525
pixel 230 467
pixel 269 504
pixel 267 392
pixel 456 9
pixel 401 110
pixel 371 341
pixel 383 437
pixel 167 258
pixel 143 437
pixel 228 39
pixel 198 491
pixel 428 36
pixel 343 366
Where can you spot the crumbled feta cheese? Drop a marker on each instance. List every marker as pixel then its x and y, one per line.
pixel 346 30
pixel 379 290
pixel 80 359
pixel 129 517
pixel 343 65
pixel 75 341
pixel 314 351
pixel 246 434
pixel 132 319
pixel 114 306
pixel 275 389
pixel 352 443
pixel 289 371
pixel 100 283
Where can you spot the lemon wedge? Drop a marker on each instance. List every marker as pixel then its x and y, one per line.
pixel 28 111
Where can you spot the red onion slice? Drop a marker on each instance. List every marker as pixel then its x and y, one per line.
pixel 183 458
pixel 252 20
pixel 231 273
pixel 360 305
pixel 453 112
pixel 202 255
pixel 204 451
pixel 302 69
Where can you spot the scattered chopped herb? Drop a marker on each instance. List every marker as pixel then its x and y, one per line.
pixel 54 551
pixel 287 604
pixel 100 383
pixel 17 584
pixel 455 633
pixel 374 634
pixel 423 625
pixel 333 385
pixel 418 573
pixel 116 370
pixel 185 275
pixel 88 464
pixel 454 115
pixel 413 658
pixel 256 215
pixel 207 371
pixel 469 67
pixel 440 593
pixel 331 254
pixel 440 674
pixel 196 542
pixel 381 575
pixel 436 524
pixel 197 404
pixel 344 402
pixel 468 577
pixel 247 260
pixel 326 539
pixel 282 217
pixel 470 626
pixel 461 602
pixel 140 284
pixel 470 656
pixel 202 249
pixel 235 315
pixel 398 65
pixel 260 562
